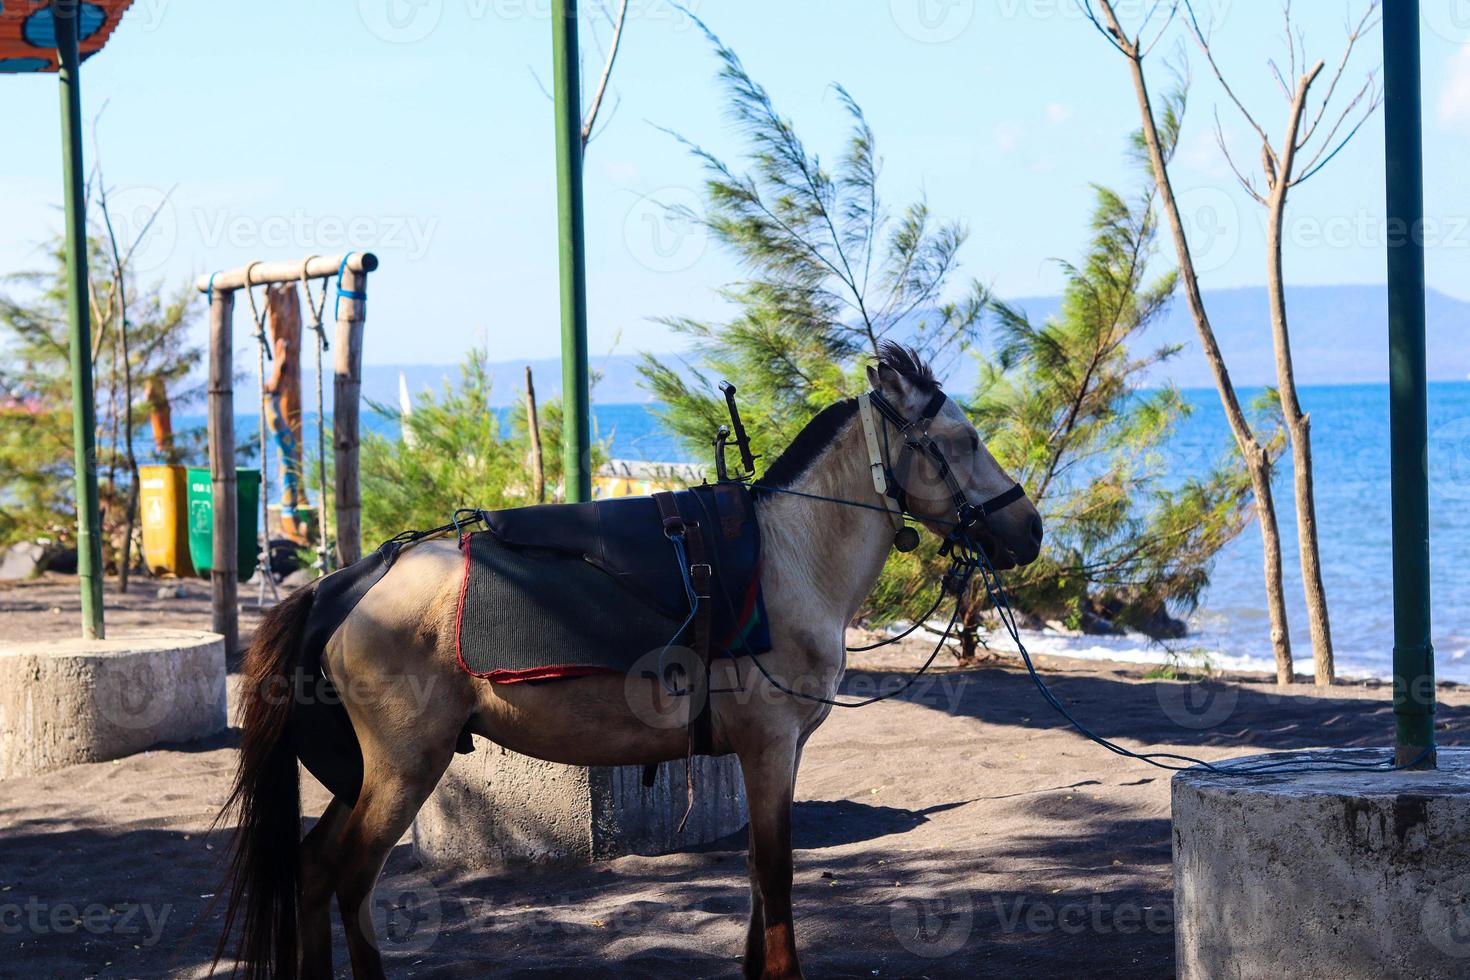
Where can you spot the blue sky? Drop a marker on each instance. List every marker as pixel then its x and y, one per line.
pixel 420 129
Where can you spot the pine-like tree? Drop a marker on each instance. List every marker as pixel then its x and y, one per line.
pixel 829 272
pixel 1064 402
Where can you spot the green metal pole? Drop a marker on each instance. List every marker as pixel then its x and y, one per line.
pixel 84 420
pixel 1413 654
pixel 576 422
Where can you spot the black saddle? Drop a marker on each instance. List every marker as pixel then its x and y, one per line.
pixel 625 538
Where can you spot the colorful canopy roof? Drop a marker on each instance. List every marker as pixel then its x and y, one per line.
pixel 28 32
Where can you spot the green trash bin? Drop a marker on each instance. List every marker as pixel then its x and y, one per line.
pixel 201 520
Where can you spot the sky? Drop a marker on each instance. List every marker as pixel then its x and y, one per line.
pixel 422 130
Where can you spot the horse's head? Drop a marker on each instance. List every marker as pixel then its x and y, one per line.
pixel 944 473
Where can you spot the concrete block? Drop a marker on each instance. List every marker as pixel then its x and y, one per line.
pixel 68 701
pixel 24 559
pixel 1331 875
pixel 495 809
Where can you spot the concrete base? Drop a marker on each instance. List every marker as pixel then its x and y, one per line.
pixel 1333 875
pixel 68 701
pixel 496 809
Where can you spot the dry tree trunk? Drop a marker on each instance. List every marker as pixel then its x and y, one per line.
pixel 1257 460
pixel 533 427
pixel 1298 423
pixel 132 458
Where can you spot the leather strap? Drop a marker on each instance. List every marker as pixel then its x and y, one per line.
pixel 701 740
pixel 877 465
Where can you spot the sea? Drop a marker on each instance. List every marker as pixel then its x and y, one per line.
pixel 1230 628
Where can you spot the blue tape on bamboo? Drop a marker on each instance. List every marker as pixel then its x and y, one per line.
pixel 358 295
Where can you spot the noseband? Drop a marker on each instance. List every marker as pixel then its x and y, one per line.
pixel 916 439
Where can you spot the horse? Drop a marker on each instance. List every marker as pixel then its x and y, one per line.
pixel 820 559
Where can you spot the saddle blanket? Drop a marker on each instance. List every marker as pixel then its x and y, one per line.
pixel 567 590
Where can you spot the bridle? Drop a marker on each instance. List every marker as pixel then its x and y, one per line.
pixel 889 484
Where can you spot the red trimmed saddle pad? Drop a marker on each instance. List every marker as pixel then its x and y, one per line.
pixel 565 590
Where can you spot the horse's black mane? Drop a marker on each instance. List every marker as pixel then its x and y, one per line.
pixel 809 444
pixel 909 363
pixel 811 441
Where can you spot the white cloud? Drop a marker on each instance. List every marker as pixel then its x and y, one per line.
pixel 1056 113
pixel 1008 136
pixel 1454 99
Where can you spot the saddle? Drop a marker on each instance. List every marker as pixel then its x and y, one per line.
pixel 616 586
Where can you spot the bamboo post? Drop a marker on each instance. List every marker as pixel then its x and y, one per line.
pixel 351 309
pixel 576 424
pixel 1413 651
pixel 223 582
pixel 346 394
pixel 79 325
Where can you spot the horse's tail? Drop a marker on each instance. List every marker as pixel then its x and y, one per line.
pixel 263 871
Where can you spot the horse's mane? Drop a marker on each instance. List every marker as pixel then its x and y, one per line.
pixel 818 434
pixel 809 443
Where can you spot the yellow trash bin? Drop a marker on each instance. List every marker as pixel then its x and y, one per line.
pixel 163 500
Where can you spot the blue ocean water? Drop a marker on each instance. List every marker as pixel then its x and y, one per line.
pixel 1350 442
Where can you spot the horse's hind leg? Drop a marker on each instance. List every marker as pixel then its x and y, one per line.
pixel 394 788
pixel 769 785
pixel 318 884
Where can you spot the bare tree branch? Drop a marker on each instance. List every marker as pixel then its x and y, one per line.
pixel 1245 182
pixel 1199 36
pixel 1354 32
pixel 607 67
pixel 1113 33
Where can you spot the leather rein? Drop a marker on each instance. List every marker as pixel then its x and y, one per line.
pixel 958 547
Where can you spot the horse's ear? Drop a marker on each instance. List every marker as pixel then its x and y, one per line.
pixel 889 382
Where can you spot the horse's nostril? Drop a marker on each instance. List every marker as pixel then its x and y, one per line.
pixel 1036 530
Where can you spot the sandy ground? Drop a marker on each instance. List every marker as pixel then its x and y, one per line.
pixel 962 830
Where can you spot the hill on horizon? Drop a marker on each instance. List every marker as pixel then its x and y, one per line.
pixel 1339 336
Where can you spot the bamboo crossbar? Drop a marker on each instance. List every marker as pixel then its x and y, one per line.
pixel 320 267
pixel 349 311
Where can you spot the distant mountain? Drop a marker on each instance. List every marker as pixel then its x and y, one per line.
pixel 1339 336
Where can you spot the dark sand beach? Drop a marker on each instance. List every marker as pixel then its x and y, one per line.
pixel 963 830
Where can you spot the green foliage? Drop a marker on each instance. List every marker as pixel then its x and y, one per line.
pixel 36 471
pixel 455 453
pixel 830 271
pixel 1063 403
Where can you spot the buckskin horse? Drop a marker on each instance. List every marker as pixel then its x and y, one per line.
pixel 819 561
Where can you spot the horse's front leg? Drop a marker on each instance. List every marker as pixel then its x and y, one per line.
pixel 770 775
